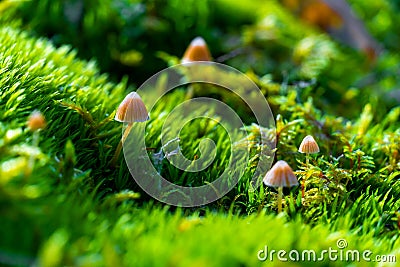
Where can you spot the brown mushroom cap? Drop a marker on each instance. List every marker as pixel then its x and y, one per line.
pixel 280 175
pixel 309 145
pixel 132 109
pixel 197 51
pixel 36 121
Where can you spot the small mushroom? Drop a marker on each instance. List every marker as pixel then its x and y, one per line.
pixel 36 122
pixel 132 109
pixel 280 175
pixel 307 146
pixel 197 51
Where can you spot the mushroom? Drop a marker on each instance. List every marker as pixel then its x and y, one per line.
pixel 36 122
pixel 280 175
pixel 307 146
pixel 131 109
pixel 196 51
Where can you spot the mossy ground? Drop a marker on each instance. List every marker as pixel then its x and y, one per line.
pixel 74 209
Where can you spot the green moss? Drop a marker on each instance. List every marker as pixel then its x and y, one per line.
pixel 75 209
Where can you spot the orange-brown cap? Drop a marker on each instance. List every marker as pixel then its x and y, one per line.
pixel 321 14
pixel 132 109
pixel 36 121
pixel 280 175
pixel 309 145
pixel 197 51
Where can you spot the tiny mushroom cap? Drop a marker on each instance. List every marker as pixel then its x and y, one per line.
pixel 197 51
pixel 309 145
pixel 280 175
pixel 132 109
pixel 36 121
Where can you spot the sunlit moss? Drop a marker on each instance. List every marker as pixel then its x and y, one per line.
pixel 75 210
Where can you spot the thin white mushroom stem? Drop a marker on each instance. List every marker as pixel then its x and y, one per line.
pixel 114 159
pixel 303 183
pixel 31 161
pixel 280 194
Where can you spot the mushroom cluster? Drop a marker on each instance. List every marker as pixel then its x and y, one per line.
pixel 281 174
